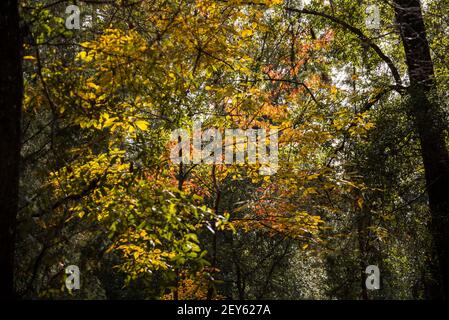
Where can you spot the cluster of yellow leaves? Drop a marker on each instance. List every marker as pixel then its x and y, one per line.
pixel 197 58
pixel 113 42
pixel 142 253
pixel 356 124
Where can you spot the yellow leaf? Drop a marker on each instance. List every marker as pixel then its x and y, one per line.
pixel 29 58
pixel 82 55
pixel 247 33
pixel 142 125
pixel 334 90
pixel 313 176
pixel 310 190
pixel 109 122
pixel 360 202
pixel 93 86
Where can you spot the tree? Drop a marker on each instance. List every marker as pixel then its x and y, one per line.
pixel 430 125
pixel 101 191
pixel 10 132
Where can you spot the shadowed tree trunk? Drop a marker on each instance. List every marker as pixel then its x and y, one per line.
pixel 10 119
pixel 430 126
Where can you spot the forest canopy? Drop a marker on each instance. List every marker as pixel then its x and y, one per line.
pixel 224 149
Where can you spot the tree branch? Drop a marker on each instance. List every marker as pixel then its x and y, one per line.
pixel 394 71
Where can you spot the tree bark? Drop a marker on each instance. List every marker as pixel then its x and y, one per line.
pixel 11 91
pixel 430 126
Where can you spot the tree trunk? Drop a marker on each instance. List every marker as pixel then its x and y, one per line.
pixel 362 241
pixel 10 127
pixel 430 127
